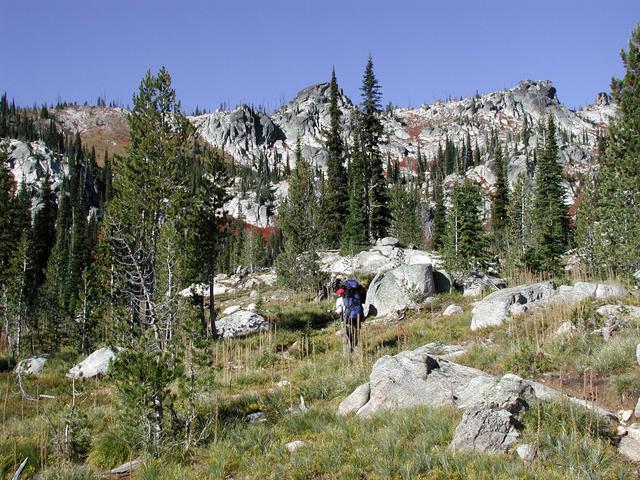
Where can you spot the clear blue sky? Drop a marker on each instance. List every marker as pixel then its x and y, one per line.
pixel 264 52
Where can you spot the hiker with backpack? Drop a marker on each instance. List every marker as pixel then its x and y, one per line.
pixel 351 296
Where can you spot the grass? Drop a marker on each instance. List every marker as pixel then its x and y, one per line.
pixel 303 348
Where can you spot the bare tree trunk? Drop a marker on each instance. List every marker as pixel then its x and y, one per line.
pixel 212 308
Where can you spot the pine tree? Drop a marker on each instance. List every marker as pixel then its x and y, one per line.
pixel 334 194
pixel 614 206
pixel 354 236
pixel 500 200
pixel 405 214
pixel 465 243
pixel 519 227
pixel 7 215
pixel 371 131
pixel 297 265
pixel 549 209
pixel 438 225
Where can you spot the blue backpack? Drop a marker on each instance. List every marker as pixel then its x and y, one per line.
pixel 354 296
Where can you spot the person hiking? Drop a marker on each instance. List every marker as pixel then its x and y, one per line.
pixel 351 296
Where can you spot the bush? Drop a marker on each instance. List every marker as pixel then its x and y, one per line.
pixel 109 450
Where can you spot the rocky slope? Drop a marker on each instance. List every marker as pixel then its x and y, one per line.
pixel 248 135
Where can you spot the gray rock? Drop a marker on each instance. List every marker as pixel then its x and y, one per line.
pixel 622 313
pixel 527 451
pixel 638 353
pixel 354 402
pixel 95 364
pixel 295 445
pixel 452 310
pixel 32 365
pixel 240 324
pixel 629 447
pixel 257 417
pixel 491 424
pixel 499 306
pixel 401 288
pixel 231 309
pixel 414 378
pixel 388 242
pixel 565 329
pixel 495 308
pixel 636 411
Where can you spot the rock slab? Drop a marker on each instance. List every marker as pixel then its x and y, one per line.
pixel 240 324
pixel 499 306
pixel 95 364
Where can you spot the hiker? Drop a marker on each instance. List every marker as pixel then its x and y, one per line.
pixel 351 295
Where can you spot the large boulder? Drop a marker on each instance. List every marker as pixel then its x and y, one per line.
pixel 32 365
pixel 499 306
pixel 496 307
pixel 95 364
pixel 414 378
pixel 491 424
pixel 241 323
pixel 401 288
pixel 378 259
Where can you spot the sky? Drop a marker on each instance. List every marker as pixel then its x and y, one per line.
pixel 264 52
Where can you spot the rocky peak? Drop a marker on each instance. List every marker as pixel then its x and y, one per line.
pixel 603 99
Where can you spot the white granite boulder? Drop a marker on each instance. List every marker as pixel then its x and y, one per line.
pixel 240 324
pixel 95 364
pixel 32 365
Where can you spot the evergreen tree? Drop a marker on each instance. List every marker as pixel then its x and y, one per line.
pixel 519 231
pixel 371 131
pixel 405 214
pixel 465 243
pixel 549 209
pixel 438 225
pixel 298 218
pixel 7 215
pixel 500 200
pixel 334 194
pixel 354 236
pixel 613 244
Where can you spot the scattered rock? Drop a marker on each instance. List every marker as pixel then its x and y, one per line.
pixel 625 415
pixel 527 451
pixel 495 308
pixel 499 306
pixel 474 284
pixel 252 307
pixel 491 424
pixel 295 445
pixel 621 431
pixel 636 411
pixel 297 409
pixel 565 329
pixel 95 364
pixel 388 242
pixel 401 288
pixel 257 417
pixel 32 365
pixel 452 310
pixel 241 323
pixel 630 444
pixel 414 378
pixel 283 383
pixel 230 310
pixel 354 402
pixel 125 470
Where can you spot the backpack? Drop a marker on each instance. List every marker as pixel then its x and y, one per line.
pixel 354 297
